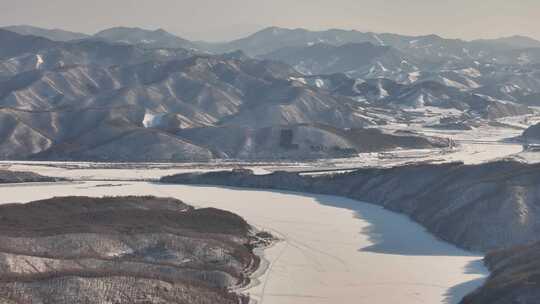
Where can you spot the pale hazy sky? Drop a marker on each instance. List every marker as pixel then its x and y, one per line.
pixel 226 19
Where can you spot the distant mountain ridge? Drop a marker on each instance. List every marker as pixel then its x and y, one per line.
pixel 358 59
pixel 135 95
pixel 14 44
pixel 52 34
pixel 517 41
pixel 272 38
pixel 91 100
pixel 128 35
pixel 157 39
pixel 388 93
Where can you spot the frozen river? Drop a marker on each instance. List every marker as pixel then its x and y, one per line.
pixel 333 250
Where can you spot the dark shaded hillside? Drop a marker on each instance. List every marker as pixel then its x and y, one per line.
pixel 123 250
pixel 478 207
pixel 147 38
pixel 51 34
pixel 327 59
pixel 515 277
pixel 532 134
pixel 115 215
pixel 11 177
pixel 304 141
pixel 14 44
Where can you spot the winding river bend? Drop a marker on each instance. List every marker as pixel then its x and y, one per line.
pixel 333 249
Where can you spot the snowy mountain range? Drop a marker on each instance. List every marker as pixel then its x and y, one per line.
pixel 140 95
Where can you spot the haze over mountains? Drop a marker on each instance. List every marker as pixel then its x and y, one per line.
pixel 140 95
pixel 52 34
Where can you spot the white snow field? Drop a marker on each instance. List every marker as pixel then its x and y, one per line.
pixel 332 249
pixel 87 171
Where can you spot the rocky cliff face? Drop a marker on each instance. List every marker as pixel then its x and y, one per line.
pixel 122 250
pixel 478 207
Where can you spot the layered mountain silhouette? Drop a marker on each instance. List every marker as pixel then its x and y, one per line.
pixel 140 95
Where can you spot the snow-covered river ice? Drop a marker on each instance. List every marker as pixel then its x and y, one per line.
pixel 333 250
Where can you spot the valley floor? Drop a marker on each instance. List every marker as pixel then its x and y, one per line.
pixel 332 249
pixel 483 144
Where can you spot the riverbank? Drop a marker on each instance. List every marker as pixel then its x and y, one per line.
pixel 332 250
